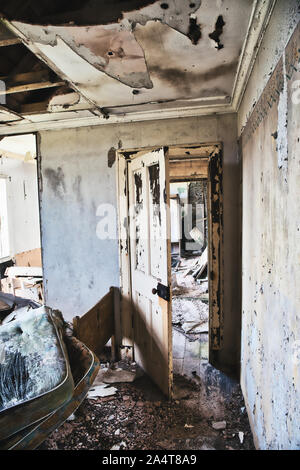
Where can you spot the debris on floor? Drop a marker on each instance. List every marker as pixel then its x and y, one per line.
pixel 219 425
pixel 26 282
pixel 138 417
pixel 116 375
pixel 98 391
pixel 190 314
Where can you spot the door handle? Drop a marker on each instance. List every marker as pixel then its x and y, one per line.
pixel 162 291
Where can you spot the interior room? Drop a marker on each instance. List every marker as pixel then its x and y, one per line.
pixel 149 204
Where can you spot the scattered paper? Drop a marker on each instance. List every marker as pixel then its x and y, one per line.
pixel 101 391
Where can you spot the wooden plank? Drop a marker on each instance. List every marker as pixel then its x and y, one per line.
pixel 196 151
pixel 117 318
pixel 188 169
pixel 24 271
pixel 9 41
pixel 125 277
pixel 29 258
pixel 30 87
pixel 215 256
pixel 26 77
pixel 7 38
pixel 97 326
pixel 32 108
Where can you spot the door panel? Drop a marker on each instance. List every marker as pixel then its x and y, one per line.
pixel 150 264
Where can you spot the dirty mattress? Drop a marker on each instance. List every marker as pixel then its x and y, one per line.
pixel 32 361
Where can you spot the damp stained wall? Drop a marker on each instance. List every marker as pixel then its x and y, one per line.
pixel 270 357
pixel 78 174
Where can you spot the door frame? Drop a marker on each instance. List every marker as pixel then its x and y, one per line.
pixel 214 152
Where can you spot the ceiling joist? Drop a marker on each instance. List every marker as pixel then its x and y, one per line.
pixel 30 87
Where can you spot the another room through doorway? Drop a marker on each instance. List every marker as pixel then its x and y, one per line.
pixel 190 298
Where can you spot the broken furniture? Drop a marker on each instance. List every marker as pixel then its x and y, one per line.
pixel 24 281
pixel 100 324
pixel 35 376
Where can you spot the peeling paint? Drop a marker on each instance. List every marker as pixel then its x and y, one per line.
pixel 215 35
pixel 271 322
pixel 155 191
pixel 111 157
pixel 118 68
pixel 194 32
pixel 282 134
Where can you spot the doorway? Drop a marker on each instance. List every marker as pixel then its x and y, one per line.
pixel 20 243
pixel 151 184
pixel 189 262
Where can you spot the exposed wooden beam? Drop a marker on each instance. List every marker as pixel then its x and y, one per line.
pixel 32 108
pixel 9 42
pixel 197 151
pixel 27 77
pixel 30 87
pixel 7 38
pixel 181 170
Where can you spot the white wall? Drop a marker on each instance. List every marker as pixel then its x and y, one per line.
pixel 22 203
pixel 75 179
pixel 271 243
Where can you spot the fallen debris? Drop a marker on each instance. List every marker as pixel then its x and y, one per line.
pixel 191 314
pixel 120 446
pixel 118 375
pixel 219 425
pixel 159 424
pixel 26 282
pixel 101 391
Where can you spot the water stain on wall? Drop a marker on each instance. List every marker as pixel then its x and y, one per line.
pixel 56 180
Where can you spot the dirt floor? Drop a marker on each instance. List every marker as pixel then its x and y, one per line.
pixel 138 417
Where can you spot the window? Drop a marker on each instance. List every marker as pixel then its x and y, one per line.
pixel 4 239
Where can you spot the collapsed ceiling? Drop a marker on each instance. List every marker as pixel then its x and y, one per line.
pixel 123 60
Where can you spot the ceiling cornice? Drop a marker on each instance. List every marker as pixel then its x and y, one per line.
pixel 260 17
pixel 175 113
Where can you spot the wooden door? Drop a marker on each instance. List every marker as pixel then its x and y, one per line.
pixel 150 264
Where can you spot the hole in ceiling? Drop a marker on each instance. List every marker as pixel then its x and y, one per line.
pixel 215 35
pixel 194 33
pixel 164 6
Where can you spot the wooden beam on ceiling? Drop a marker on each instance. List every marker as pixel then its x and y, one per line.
pixel 196 151
pixel 27 77
pixel 7 38
pixel 9 41
pixel 32 108
pixel 188 170
pixel 30 87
